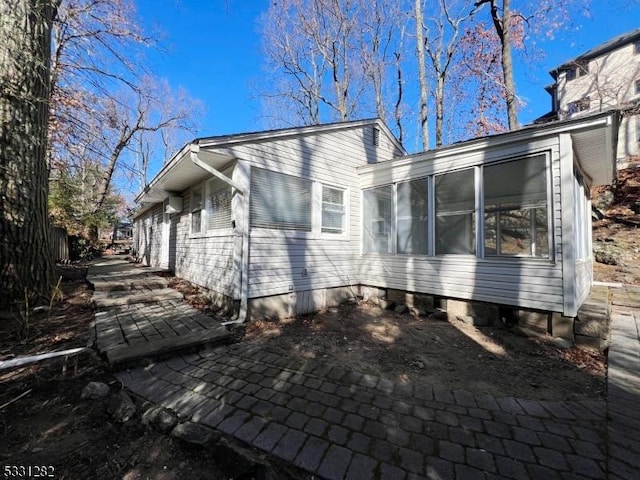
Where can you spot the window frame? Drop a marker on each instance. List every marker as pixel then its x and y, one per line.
pixel 316 213
pixel 319 199
pixel 549 210
pixel 474 212
pixel 193 210
pixel 479 211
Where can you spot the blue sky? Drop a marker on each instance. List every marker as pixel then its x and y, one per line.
pixel 212 49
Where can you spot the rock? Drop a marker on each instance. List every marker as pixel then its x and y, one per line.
pixel 562 343
pixel 439 315
pixel 122 408
pixel 401 309
pixel 160 418
pixel 94 390
pixel 606 254
pixel 604 200
pixel 384 304
pixel 418 311
pixel 193 433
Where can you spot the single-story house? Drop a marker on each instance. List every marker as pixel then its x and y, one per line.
pixel 290 221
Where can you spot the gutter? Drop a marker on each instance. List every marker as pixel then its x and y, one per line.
pixel 194 150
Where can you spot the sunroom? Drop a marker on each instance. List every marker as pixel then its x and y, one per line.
pixel 503 219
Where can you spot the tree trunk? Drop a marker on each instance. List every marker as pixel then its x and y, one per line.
pixel 440 109
pixel 502 26
pixel 26 260
pixel 422 75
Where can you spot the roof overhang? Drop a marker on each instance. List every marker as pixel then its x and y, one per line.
pixel 179 174
pixel 594 140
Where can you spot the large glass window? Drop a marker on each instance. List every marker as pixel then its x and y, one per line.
pixel 218 204
pixel 280 201
pixel 332 210
pixel 377 220
pixel 196 209
pixel 515 203
pixel 412 217
pixel 455 212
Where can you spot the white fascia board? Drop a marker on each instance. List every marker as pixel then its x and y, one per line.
pixel 518 136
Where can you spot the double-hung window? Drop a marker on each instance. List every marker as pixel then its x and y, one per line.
pixel 279 201
pixel 515 203
pixel 196 209
pixel 333 210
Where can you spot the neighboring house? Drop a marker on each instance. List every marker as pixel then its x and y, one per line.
pixel 605 77
pixel 290 221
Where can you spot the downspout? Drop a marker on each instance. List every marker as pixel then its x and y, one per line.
pixel 244 269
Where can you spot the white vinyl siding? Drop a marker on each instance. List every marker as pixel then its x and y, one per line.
pixel 515 205
pixel 455 213
pixel 513 280
pixel 279 201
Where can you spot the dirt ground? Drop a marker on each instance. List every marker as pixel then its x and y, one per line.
pixel 52 426
pixel 447 354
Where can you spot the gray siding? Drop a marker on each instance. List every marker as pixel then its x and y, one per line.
pixel 284 261
pixel 524 282
pixel 205 260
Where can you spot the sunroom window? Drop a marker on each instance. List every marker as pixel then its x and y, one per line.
pixel 196 209
pixel 218 204
pixel 515 203
pixel 332 210
pixel 377 220
pixel 412 217
pixel 455 213
pixel 279 201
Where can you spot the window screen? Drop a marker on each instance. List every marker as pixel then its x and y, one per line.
pixel 218 204
pixel 332 210
pixel 412 216
pixel 515 202
pixel 455 212
pixel 280 201
pixel 377 220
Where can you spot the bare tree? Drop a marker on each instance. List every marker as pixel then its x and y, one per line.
pixel 104 98
pixel 26 264
pixel 443 32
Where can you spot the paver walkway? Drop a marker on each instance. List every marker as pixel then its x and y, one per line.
pixel 623 405
pixel 140 317
pixel 342 424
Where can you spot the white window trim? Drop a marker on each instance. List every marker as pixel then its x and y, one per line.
pixel 204 232
pixel 316 232
pixel 479 220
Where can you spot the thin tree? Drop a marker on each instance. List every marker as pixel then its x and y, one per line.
pixel 26 264
pixel 422 75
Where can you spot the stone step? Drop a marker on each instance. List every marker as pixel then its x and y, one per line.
pixel 123 297
pixel 122 355
pixel 150 282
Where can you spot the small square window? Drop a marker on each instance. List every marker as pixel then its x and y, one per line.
pixel 636 47
pixel 571 74
pixel 638 87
